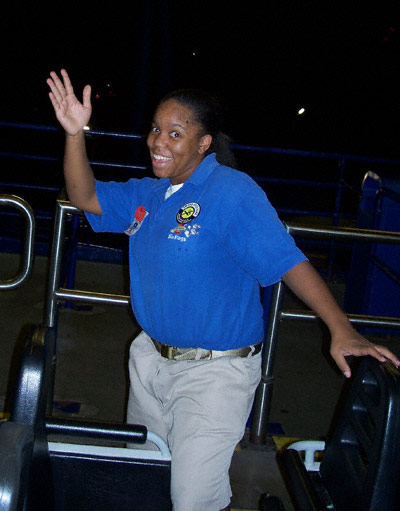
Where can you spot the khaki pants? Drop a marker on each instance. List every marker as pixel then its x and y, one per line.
pixel 200 409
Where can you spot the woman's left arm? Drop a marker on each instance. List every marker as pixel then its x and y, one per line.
pixel 307 284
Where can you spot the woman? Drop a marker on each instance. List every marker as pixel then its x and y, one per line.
pixel 203 237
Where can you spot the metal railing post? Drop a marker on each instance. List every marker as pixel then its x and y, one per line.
pixel 336 213
pixel 262 399
pixel 55 262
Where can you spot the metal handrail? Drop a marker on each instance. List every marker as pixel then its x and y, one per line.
pixel 263 397
pixel 55 293
pixel 28 249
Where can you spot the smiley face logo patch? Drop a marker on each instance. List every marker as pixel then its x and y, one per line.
pixel 188 212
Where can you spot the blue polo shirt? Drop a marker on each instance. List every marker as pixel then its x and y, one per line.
pixel 197 258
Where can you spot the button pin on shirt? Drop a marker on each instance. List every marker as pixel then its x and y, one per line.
pixel 140 215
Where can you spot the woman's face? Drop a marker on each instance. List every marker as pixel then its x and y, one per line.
pixel 175 143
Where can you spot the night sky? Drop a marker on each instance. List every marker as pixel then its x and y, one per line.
pixel 340 61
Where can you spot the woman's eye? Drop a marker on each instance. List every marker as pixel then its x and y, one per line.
pixel 154 130
pixel 175 134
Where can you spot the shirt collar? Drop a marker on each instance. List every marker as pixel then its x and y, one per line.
pixel 205 168
pixel 208 164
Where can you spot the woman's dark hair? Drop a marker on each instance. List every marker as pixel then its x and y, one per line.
pixel 208 113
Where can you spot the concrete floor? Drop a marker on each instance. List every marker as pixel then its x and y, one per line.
pixel 92 348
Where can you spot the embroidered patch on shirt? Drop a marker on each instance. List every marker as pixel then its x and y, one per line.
pixel 140 215
pixel 188 212
pixel 183 232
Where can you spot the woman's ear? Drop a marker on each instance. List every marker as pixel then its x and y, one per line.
pixel 205 142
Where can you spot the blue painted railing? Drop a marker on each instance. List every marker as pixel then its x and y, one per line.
pixel 299 183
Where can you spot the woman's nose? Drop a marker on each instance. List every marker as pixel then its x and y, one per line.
pixel 160 140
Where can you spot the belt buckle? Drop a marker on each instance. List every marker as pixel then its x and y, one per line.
pixel 166 351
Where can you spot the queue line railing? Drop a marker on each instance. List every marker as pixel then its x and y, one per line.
pixel 25 268
pixel 341 168
pixel 330 183
pixel 261 409
pixel 263 397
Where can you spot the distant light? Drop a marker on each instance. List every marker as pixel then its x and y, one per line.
pixel 193 53
pixel 301 111
pixel 86 128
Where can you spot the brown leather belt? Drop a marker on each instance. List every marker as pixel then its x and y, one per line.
pixel 173 353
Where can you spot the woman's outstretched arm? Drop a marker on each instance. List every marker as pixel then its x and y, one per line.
pixel 307 284
pixel 73 116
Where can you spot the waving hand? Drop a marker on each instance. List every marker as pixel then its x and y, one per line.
pixel 71 113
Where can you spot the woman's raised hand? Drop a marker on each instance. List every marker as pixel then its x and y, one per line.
pixel 71 114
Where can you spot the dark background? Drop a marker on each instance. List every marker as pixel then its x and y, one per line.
pixel 340 61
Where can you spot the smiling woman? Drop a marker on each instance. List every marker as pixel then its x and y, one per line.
pixel 176 142
pixel 203 238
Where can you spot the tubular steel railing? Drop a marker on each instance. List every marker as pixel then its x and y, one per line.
pixel 262 402
pixel 29 236
pixel 55 292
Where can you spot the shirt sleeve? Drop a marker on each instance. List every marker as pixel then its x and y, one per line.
pixel 117 202
pixel 257 240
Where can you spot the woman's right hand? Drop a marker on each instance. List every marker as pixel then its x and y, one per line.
pixel 71 114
